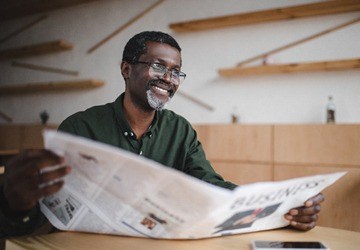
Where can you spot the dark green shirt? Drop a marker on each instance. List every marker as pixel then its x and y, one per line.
pixel 170 140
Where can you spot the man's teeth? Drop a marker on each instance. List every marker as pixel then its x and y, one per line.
pixel 160 89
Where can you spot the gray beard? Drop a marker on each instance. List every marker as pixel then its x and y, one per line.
pixel 155 102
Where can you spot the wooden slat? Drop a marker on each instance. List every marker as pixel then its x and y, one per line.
pixel 293 67
pixel 195 100
pixel 50 87
pixel 317 144
pixel 36 49
pixel 341 199
pixel 122 27
pixel 14 9
pixel 236 142
pixel 22 29
pixel 8 152
pixel 298 42
pixel 287 13
pixel 5 117
pixel 44 68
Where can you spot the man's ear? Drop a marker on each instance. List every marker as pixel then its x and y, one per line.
pixel 125 70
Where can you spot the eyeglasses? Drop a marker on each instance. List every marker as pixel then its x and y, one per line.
pixel 159 70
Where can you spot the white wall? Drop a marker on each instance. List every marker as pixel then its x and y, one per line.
pixel 283 98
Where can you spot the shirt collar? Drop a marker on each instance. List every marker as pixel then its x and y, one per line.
pixel 123 123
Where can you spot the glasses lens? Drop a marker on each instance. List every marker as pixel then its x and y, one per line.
pixel 157 70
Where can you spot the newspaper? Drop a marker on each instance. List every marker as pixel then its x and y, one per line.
pixel 112 191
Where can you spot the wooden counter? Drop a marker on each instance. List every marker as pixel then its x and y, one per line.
pixel 333 238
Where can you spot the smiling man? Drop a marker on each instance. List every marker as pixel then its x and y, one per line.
pixel 136 121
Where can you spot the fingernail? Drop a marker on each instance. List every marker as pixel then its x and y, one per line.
pixel 294 212
pixel 293 223
pixel 308 203
pixel 288 217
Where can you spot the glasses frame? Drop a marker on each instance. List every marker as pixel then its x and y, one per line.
pixel 173 79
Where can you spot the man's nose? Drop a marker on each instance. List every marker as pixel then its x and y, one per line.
pixel 167 76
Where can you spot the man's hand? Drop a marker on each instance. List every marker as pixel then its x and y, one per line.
pixel 25 182
pixel 305 217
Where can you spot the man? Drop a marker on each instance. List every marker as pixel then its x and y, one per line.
pixel 137 122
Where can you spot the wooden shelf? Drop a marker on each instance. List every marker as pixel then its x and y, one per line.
pixel 50 87
pixel 36 49
pixel 7 152
pixel 307 10
pixel 292 67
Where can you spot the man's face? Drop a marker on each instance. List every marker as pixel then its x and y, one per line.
pixel 149 92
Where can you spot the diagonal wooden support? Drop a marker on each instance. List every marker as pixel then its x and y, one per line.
pixel 293 44
pixel 122 27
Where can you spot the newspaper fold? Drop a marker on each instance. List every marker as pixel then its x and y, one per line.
pixel 112 191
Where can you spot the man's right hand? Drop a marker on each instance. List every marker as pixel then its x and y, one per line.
pixel 25 182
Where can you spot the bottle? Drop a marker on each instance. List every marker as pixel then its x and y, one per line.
pixel 330 110
pixel 235 117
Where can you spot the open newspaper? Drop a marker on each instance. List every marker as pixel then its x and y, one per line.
pixel 113 191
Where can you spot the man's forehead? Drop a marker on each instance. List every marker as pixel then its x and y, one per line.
pixel 162 51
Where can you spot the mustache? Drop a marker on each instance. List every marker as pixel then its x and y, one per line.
pixel 154 82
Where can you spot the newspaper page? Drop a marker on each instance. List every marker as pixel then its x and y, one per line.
pixel 113 191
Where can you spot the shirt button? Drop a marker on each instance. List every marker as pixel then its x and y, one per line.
pixel 150 135
pixel 126 133
pixel 140 152
pixel 26 219
pixel 132 134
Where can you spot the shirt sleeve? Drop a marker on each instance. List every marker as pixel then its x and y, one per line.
pixel 20 224
pixel 198 166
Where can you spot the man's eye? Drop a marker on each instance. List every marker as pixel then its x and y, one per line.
pixel 175 72
pixel 158 67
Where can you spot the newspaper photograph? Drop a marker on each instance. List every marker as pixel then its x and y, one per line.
pixel 113 191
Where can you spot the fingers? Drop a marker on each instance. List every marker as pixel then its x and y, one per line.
pixel 26 179
pixel 303 226
pixel 52 175
pixel 305 210
pixel 304 218
pixel 317 199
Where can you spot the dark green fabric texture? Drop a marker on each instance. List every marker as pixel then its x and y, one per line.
pixel 170 140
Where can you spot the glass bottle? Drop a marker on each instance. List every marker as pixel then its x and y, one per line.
pixel 330 110
pixel 235 117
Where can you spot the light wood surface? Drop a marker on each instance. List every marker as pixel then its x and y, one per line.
pixel 333 238
pixel 317 144
pixel 10 137
pixel 21 136
pixel 20 89
pixel 36 49
pixel 243 173
pixel 236 142
pixel 287 13
pixel 291 67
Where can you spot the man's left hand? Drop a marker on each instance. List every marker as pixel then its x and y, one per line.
pixel 305 217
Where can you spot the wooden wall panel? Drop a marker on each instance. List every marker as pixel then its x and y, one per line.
pixel 31 136
pixel 243 173
pixel 317 144
pixel 236 142
pixel 9 137
pixel 342 199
